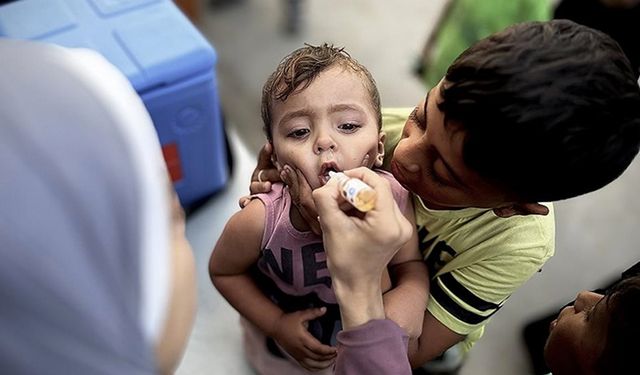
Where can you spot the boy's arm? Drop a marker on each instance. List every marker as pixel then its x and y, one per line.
pixel 436 338
pixel 464 299
pixel 406 303
pixel 406 306
pixel 237 249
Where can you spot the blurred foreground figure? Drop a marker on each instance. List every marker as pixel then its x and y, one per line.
pixel 96 274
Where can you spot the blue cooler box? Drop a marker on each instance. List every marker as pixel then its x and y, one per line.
pixel 166 59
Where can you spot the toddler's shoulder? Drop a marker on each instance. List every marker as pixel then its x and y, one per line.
pixel 400 194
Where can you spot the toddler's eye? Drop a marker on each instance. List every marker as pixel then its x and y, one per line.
pixel 299 133
pixel 349 127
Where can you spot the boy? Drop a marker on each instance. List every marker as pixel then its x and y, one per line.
pixel 597 333
pixel 541 111
pixel 321 112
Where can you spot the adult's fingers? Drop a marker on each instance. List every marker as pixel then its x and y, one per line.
pixel 329 203
pixel 384 199
pixel 326 200
pixel 368 176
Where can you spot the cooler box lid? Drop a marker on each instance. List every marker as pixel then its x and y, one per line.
pixel 150 41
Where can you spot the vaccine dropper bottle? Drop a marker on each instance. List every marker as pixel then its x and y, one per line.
pixel 360 195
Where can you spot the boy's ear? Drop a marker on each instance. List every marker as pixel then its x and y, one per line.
pixel 523 209
pixel 380 157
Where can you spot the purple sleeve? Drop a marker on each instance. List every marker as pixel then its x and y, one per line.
pixel 377 347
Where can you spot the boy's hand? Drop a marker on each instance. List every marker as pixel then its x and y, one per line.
pixel 263 175
pixel 301 195
pixel 300 192
pixel 292 334
pixel 266 173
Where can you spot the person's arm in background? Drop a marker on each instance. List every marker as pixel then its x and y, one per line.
pixel 237 250
pixel 369 344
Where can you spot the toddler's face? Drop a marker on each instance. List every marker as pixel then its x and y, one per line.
pixel 330 125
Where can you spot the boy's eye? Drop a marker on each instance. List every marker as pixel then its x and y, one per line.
pixel 438 181
pixel 299 133
pixel 349 127
pixel 413 116
pixel 588 312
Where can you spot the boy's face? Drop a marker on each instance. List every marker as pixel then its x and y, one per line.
pixel 429 162
pixel 330 125
pixel 577 337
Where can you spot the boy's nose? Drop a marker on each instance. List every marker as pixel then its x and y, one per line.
pixel 585 300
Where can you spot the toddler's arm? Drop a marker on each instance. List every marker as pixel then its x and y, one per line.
pixel 236 251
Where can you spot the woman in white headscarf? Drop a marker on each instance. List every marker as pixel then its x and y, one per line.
pixel 96 275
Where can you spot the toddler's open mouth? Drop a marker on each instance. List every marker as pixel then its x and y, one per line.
pixel 325 169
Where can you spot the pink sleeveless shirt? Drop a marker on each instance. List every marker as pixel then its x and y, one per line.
pixel 294 262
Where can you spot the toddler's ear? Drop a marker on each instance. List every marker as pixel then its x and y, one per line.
pixel 380 156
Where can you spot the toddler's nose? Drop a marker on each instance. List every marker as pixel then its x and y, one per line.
pixel 324 144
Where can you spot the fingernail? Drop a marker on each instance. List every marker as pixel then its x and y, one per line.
pixel 365 160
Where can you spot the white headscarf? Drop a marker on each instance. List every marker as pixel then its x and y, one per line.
pixel 84 216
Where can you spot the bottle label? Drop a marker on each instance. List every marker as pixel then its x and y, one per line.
pixel 351 189
pixel 355 191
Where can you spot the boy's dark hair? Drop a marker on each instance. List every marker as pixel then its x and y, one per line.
pixel 619 355
pixel 551 110
pixel 298 69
